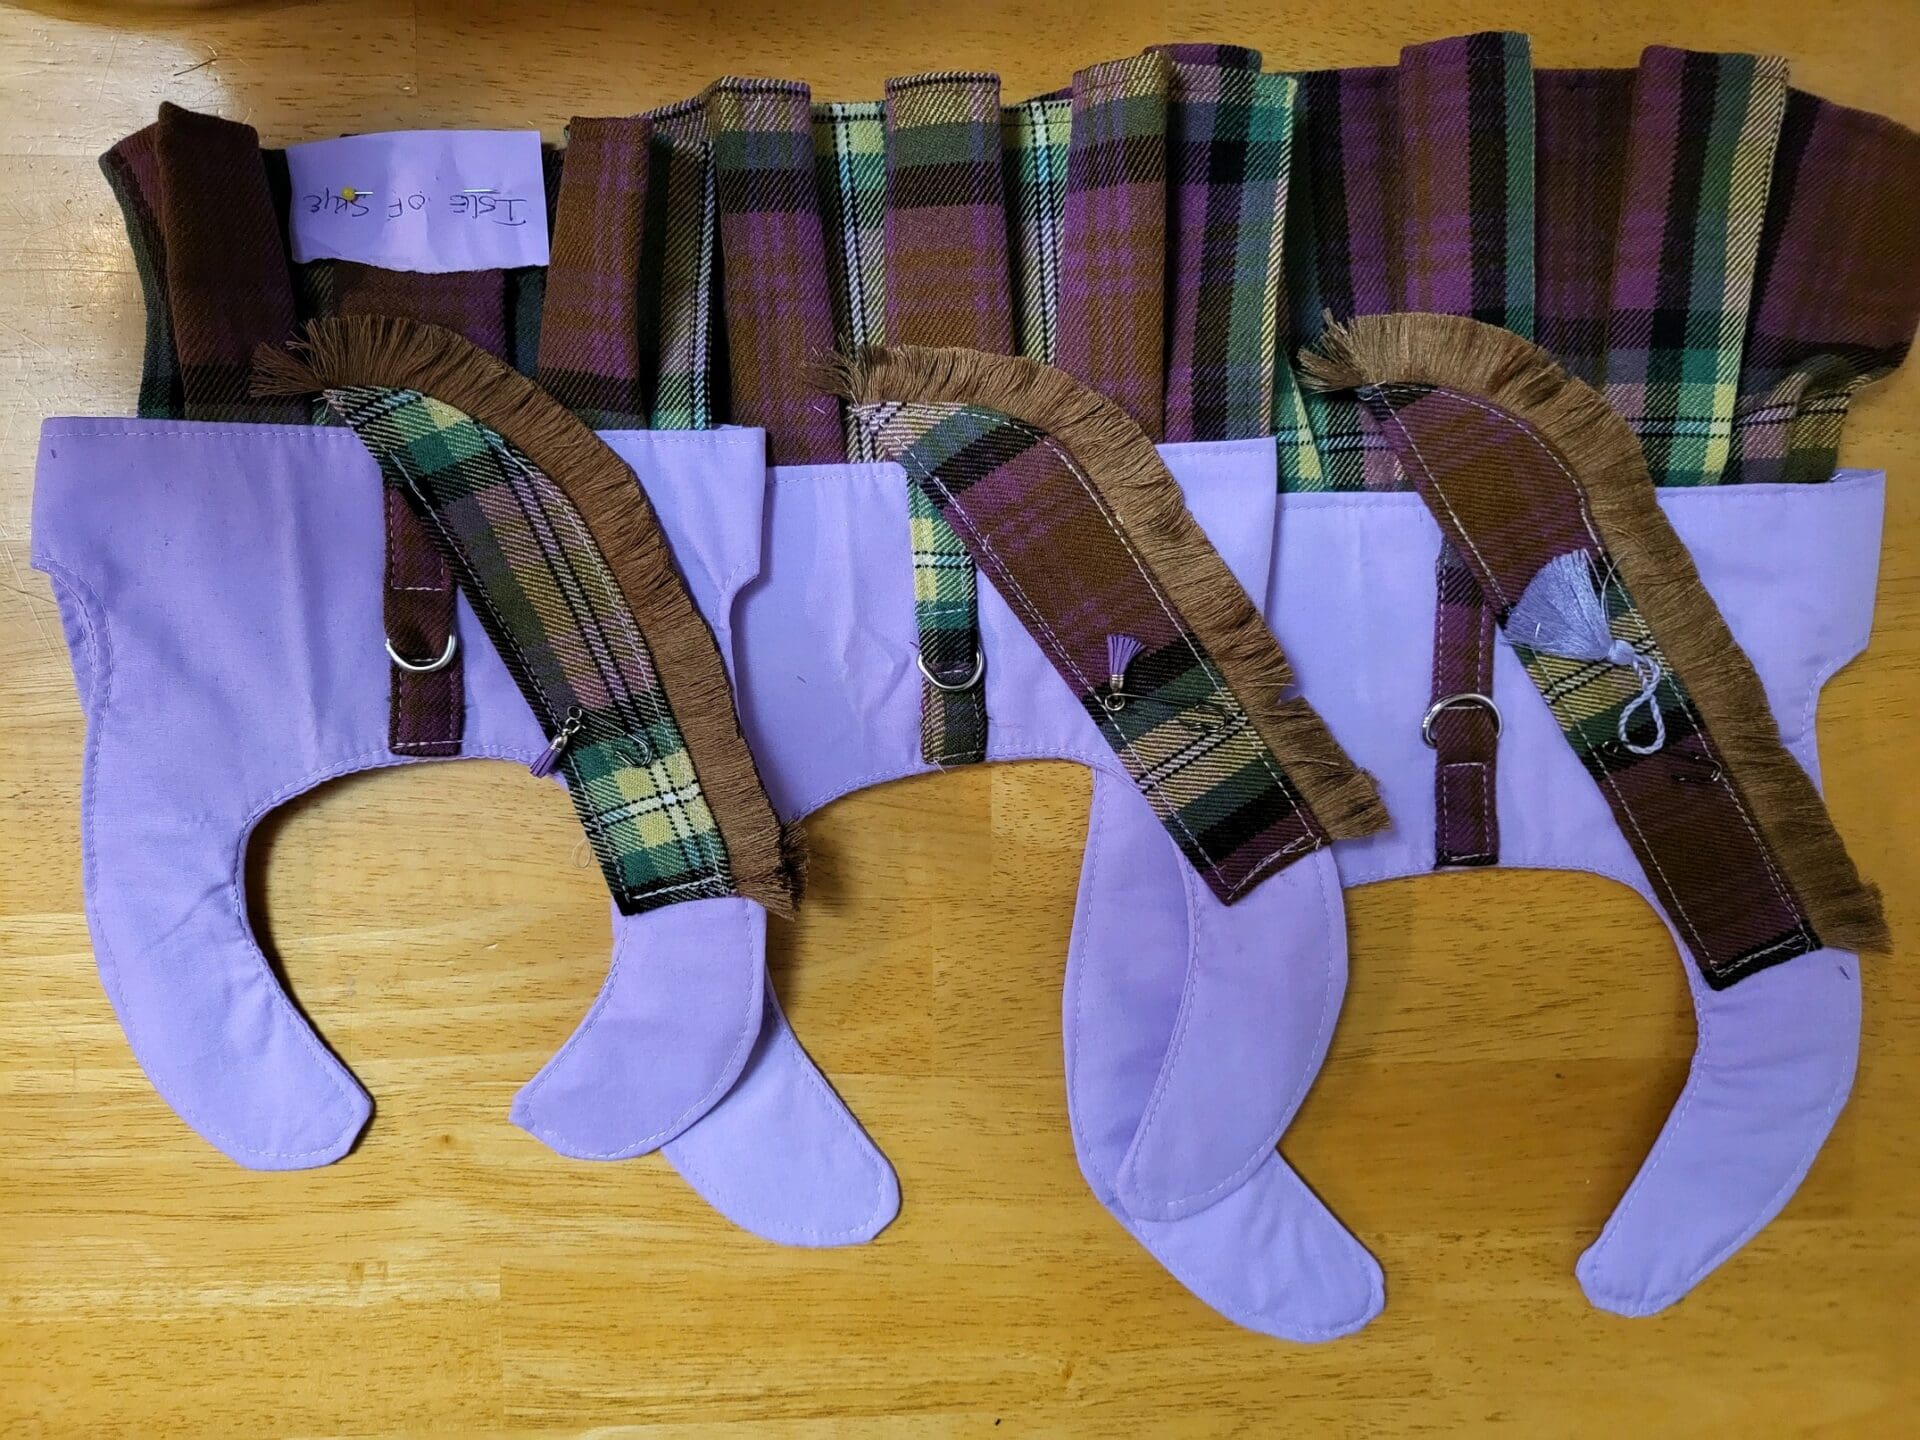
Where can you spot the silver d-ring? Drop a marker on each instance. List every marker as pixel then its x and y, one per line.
pixel 1447 702
pixel 446 657
pixel 979 669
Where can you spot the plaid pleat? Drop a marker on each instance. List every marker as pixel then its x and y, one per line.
pixel 1230 137
pixel 1581 167
pixel 474 304
pixel 552 607
pixel 777 310
pixel 1112 327
pixel 678 264
pixel 1035 134
pixel 1061 561
pixel 1343 252
pixel 1837 287
pixel 205 227
pixel 850 170
pixel 593 355
pixel 948 284
pixel 1509 511
pixel 1701 135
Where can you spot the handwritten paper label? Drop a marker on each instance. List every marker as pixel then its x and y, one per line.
pixel 430 200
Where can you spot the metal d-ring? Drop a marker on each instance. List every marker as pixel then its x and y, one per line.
pixel 1447 702
pixel 979 669
pixel 432 666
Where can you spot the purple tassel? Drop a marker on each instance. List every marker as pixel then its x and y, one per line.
pixel 1121 650
pixel 549 760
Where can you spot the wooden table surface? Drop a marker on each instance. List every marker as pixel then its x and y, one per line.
pixel 1509 1046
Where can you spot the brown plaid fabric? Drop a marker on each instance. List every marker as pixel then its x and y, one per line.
pixel 1112 319
pixel 593 355
pixel 777 309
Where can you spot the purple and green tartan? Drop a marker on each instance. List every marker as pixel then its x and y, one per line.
pixel 1701 135
pixel 594 357
pixel 555 612
pixel 947 284
pixel 1112 315
pixel 1509 506
pixel 850 166
pixel 1229 143
pixel 1035 134
pixel 1580 168
pixel 678 264
pixel 773 271
pixel 1836 289
pixel 1061 560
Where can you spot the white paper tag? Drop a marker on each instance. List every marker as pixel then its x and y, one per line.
pixel 428 200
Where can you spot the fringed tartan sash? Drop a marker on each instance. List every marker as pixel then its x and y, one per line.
pixel 1544 493
pixel 1064 505
pixel 567 569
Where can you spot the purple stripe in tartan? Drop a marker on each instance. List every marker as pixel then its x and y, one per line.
pixel 1113 236
pixel 592 359
pixel 948 281
pixel 1581 160
pixel 1837 285
pixel 778 314
pixel 1230 132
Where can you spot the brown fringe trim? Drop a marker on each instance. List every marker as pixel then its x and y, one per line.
pixel 1120 460
pixel 405 354
pixel 1518 377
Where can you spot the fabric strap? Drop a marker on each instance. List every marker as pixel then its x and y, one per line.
pixel 947 283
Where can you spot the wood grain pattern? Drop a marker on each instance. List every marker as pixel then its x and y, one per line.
pixel 1489 1093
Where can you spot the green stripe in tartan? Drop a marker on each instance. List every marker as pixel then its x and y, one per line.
pixel 1035 135
pixel 1679 396
pixel 552 607
pixel 682 231
pixel 850 165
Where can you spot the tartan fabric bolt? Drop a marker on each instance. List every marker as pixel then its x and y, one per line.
pixel 1836 290
pixel 677 266
pixel 1509 507
pixel 1701 136
pixel 592 356
pixel 1058 556
pixel 1035 135
pixel 1112 335
pixel 1230 136
pixel 552 607
pixel 850 165
pixel 778 313
pixel 947 284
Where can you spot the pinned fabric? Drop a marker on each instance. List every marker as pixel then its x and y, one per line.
pixel 559 552
pixel 1522 466
pixel 1066 507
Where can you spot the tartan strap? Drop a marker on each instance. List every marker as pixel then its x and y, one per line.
pixel 1544 494
pixel 1065 507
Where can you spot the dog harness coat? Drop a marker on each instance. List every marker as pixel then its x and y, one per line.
pixel 982 555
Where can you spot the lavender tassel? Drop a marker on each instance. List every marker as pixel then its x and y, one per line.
pixel 549 760
pixel 1121 650
pixel 1561 613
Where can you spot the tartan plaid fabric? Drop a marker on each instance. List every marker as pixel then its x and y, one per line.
pixel 677 260
pixel 778 312
pixel 946 217
pixel 1701 136
pixel 1836 290
pixel 1035 136
pixel 1342 252
pixel 593 358
pixel 547 598
pixel 205 227
pixel 1112 325
pixel 850 166
pixel 947 283
pixel 1057 555
pixel 1230 138
pixel 1507 506
pixel 1581 166
pixel 1464 734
